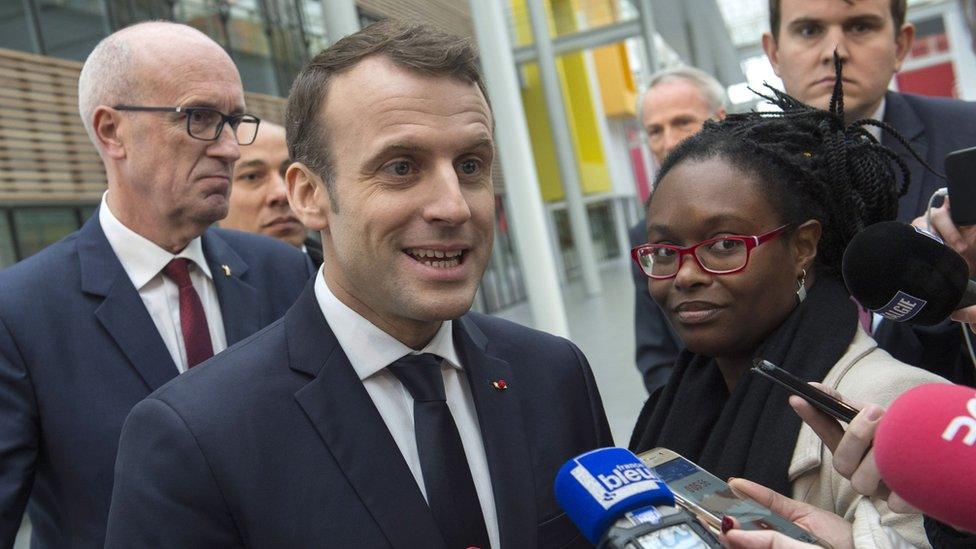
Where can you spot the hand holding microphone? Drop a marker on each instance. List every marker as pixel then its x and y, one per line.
pixel 962 239
pixel 924 280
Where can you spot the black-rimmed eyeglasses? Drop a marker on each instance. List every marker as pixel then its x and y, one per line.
pixel 205 124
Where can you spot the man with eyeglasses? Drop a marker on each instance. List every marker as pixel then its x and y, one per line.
pixel 147 289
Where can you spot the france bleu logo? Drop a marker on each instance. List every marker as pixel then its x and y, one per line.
pixel 609 483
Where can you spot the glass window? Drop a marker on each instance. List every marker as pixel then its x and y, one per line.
pixel 36 228
pixel 15 27
pixel 605 244
pixel 70 29
pixel 8 255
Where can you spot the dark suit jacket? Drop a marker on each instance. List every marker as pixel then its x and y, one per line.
pixel 78 349
pixel 314 250
pixel 657 345
pixel 276 443
pixel 934 127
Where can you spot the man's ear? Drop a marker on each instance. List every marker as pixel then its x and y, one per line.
pixel 720 114
pixel 806 237
pixel 108 132
pixel 308 197
pixel 903 44
pixel 772 50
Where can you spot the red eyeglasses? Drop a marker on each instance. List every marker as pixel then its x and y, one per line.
pixel 721 255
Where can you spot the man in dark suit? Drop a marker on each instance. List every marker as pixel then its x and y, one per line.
pixel 145 290
pixel 259 199
pixel 675 106
pixel 872 39
pixel 379 412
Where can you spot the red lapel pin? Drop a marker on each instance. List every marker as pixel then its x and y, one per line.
pixel 501 384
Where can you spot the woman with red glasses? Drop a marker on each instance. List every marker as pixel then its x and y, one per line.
pixel 746 231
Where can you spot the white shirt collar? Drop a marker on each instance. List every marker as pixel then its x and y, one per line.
pixel 141 258
pixel 369 348
pixel 879 116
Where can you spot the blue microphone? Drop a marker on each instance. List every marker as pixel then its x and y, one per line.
pixel 616 501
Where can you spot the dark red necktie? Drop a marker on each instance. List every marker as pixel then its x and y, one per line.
pixel 193 321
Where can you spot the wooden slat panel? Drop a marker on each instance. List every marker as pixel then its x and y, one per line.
pixel 80 165
pixel 87 197
pixel 45 154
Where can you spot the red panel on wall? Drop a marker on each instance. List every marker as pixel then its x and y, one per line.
pixel 937 80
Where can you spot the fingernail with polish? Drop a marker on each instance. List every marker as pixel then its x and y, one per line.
pixel 727 524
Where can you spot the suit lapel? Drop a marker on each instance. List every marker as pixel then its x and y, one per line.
pixel 344 415
pixel 900 115
pixel 240 303
pixel 122 312
pixel 503 432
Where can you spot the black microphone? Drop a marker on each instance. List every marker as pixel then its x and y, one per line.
pixel 906 274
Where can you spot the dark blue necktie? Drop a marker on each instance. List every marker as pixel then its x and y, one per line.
pixel 447 476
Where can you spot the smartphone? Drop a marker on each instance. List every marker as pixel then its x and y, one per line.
pixel 819 399
pixel 710 499
pixel 960 169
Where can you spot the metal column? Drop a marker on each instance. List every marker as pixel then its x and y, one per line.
pixel 341 19
pixel 648 30
pixel 565 154
pixel 528 215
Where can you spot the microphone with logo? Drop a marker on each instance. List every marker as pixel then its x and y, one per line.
pixel 617 502
pixel 925 450
pixel 906 274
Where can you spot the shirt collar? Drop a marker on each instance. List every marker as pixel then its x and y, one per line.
pixel 369 348
pixel 879 116
pixel 141 258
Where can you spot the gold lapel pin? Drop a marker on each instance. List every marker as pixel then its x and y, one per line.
pixel 226 270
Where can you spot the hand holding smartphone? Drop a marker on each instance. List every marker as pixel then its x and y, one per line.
pixel 818 399
pixel 711 499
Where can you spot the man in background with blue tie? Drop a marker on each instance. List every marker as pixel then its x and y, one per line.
pixel 145 290
pixel 379 412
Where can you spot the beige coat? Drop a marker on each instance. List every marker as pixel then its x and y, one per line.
pixel 867 374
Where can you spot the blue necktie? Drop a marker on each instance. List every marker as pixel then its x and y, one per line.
pixel 447 477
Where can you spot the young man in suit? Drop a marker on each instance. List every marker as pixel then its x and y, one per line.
pixel 259 199
pixel 872 39
pixel 145 290
pixel 379 412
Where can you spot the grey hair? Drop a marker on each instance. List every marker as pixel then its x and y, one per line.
pixel 107 78
pixel 711 90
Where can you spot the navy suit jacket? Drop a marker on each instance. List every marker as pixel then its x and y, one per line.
pixel 78 349
pixel 934 127
pixel 276 443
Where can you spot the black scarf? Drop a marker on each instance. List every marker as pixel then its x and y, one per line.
pixel 752 432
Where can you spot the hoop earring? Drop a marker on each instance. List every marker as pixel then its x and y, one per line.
pixel 801 288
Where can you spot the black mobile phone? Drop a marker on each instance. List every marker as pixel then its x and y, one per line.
pixel 819 399
pixel 960 167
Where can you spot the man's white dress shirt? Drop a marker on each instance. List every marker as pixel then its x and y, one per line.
pixel 370 350
pixel 144 261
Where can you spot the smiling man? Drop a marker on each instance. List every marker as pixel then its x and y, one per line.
pixel 259 198
pixel 379 412
pixel 145 290
pixel 873 39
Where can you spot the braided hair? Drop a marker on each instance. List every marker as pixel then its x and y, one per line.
pixel 810 164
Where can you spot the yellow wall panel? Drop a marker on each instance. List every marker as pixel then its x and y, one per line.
pixel 580 111
pixel 616 81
